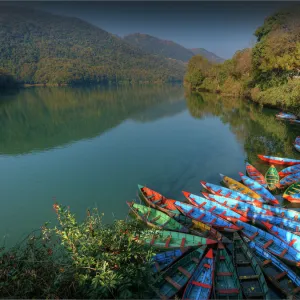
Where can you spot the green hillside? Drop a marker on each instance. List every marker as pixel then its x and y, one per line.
pixel 207 54
pixel 39 47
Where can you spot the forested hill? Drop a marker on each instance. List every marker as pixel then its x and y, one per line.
pixel 210 56
pixel 39 47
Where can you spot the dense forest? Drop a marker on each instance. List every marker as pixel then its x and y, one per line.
pixel 268 73
pixel 210 56
pixel 41 48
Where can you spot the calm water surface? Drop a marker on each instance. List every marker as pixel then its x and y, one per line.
pixel 90 147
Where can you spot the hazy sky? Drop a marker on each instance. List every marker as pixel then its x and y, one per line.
pixel 220 27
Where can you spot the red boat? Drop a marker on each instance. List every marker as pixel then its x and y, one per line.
pixel 279 160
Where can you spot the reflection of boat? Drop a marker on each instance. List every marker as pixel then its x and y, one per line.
pixel 254 174
pixel 279 160
pixel 272 178
pixel 289 170
pixel 286 116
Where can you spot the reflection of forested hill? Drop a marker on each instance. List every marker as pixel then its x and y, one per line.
pixel 256 128
pixel 42 118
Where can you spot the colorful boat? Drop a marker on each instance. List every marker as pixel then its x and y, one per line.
pixel 283 212
pixel 259 189
pixel 200 284
pixel 162 260
pixel 289 170
pixel 226 282
pixel 172 240
pixel 276 271
pixel 290 179
pixel 250 275
pixel 157 201
pixel 172 281
pixel 254 174
pixel 297 147
pixel 289 238
pixel 292 190
pixel 286 116
pixel 240 207
pixel 239 187
pixel 222 191
pixel 279 160
pixel 295 121
pixel 155 218
pixel 214 207
pixel 295 198
pixel 205 216
pixel 297 140
pixel 270 243
pixel 272 178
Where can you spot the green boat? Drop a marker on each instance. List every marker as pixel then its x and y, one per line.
pixel 272 178
pixel 172 240
pixel 248 270
pixel 291 190
pixel 170 282
pixel 155 218
pixel 226 282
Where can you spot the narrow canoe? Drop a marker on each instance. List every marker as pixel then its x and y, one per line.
pixel 289 238
pixel 279 160
pixel 161 261
pixel 295 198
pixel 254 174
pixel 222 191
pixel 289 170
pixel 290 179
pixel 226 282
pixel 205 217
pixel 172 281
pixel 297 140
pixel 200 284
pixel 239 187
pixel 297 147
pixel 270 243
pixel 172 240
pixel 202 229
pixel 283 212
pixel 250 275
pixel 155 218
pixel 292 190
pixel 214 207
pixel 272 178
pixel 286 116
pixel 240 207
pixel 295 121
pixel 276 271
pixel 156 200
pixel 259 189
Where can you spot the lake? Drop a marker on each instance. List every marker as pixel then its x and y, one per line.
pixel 90 147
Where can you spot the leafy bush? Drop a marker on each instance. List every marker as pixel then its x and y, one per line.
pixel 78 260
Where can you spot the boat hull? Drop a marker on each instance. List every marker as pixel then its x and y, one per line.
pixel 279 160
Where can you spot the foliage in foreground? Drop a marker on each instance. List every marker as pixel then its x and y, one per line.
pixel 78 260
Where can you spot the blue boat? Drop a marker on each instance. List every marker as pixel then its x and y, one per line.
pixel 283 212
pixel 289 170
pixel 259 189
pixel 271 243
pixel 276 271
pixel 199 286
pixel 286 116
pixel 162 260
pixel 240 207
pixel 225 192
pixel 297 140
pixel 205 216
pixel 279 160
pixel 297 147
pixel 290 179
pixel 254 174
pixel 214 207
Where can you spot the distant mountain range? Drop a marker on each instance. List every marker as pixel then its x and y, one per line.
pixel 167 48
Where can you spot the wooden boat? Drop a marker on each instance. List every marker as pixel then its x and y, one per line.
pixel 291 190
pixel 200 284
pixel 239 187
pixel 270 243
pixel 172 281
pixel 222 191
pixel 276 271
pixel 279 160
pixel 205 217
pixel 214 207
pixel 289 170
pixel 286 116
pixel 172 240
pixel 157 201
pixel 226 282
pixel 297 147
pixel 283 212
pixel 155 218
pixel 162 260
pixel 259 189
pixel 240 207
pixel 295 198
pixel 254 174
pixel 289 238
pixel 249 273
pixel 290 179
pixel 272 178
pixel 297 140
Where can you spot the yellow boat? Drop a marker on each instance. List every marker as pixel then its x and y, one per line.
pixel 239 187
